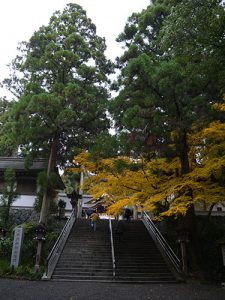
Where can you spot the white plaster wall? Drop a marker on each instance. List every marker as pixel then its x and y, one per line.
pixel 24 201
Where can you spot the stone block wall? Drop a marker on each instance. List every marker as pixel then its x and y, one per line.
pixel 19 216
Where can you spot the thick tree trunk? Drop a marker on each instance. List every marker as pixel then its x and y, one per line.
pixel 81 191
pixel 189 222
pixel 46 200
pixel 183 152
pixel 51 166
pixel 207 218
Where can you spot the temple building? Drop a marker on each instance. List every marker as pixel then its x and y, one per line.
pixel 26 179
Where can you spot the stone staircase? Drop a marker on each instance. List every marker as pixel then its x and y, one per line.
pixel 137 257
pixel 86 255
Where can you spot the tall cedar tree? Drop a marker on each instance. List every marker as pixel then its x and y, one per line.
pixel 60 79
pixel 4 108
pixel 172 70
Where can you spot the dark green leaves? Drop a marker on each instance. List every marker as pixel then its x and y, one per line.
pixel 60 76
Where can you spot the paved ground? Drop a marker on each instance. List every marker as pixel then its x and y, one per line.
pixel 45 290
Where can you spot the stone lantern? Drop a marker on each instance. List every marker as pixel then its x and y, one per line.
pixel 40 232
pixel 2 233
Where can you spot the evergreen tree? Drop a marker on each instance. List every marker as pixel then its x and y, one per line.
pixel 171 73
pixel 60 79
pixel 9 195
pixel 5 106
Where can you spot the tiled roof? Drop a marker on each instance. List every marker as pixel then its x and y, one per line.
pixel 17 163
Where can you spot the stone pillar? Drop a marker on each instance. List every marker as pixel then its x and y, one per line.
pixel 17 247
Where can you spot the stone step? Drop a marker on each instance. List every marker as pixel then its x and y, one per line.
pixel 83 269
pixel 85 273
pixel 86 253
pixel 89 266
pixel 137 268
pixel 138 254
pixel 97 244
pixel 138 260
pixel 154 279
pixel 88 248
pixel 67 264
pixel 88 260
pixel 144 274
pixel 82 278
pixel 77 264
pixel 125 279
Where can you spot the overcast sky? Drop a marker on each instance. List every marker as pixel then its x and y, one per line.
pixel 20 18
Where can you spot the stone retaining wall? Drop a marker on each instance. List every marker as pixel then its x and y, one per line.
pixel 19 216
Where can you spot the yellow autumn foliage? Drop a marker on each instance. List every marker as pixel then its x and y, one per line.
pixel 220 106
pixel 157 185
pixel 83 159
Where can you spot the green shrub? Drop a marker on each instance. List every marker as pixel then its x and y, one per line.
pixel 4 267
pixel 6 247
pixel 29 248
pixel 27 272
pixel 29 244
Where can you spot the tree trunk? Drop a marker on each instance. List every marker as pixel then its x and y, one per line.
pixel 81 191
pixel 207 218
pixel 51 166
pixel 191 225
pixel 46 200
pixel 189 222
pixel 183 152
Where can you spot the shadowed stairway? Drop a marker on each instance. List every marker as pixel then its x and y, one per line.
pixel 137 257
pixel 87 255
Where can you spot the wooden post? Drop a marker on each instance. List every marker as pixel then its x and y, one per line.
pixel 184 257
pixel 135 212
pixel 183 240
pixel 38 256
pixel 80 201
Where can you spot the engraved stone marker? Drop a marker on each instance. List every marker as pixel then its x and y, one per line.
pixel 17 247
